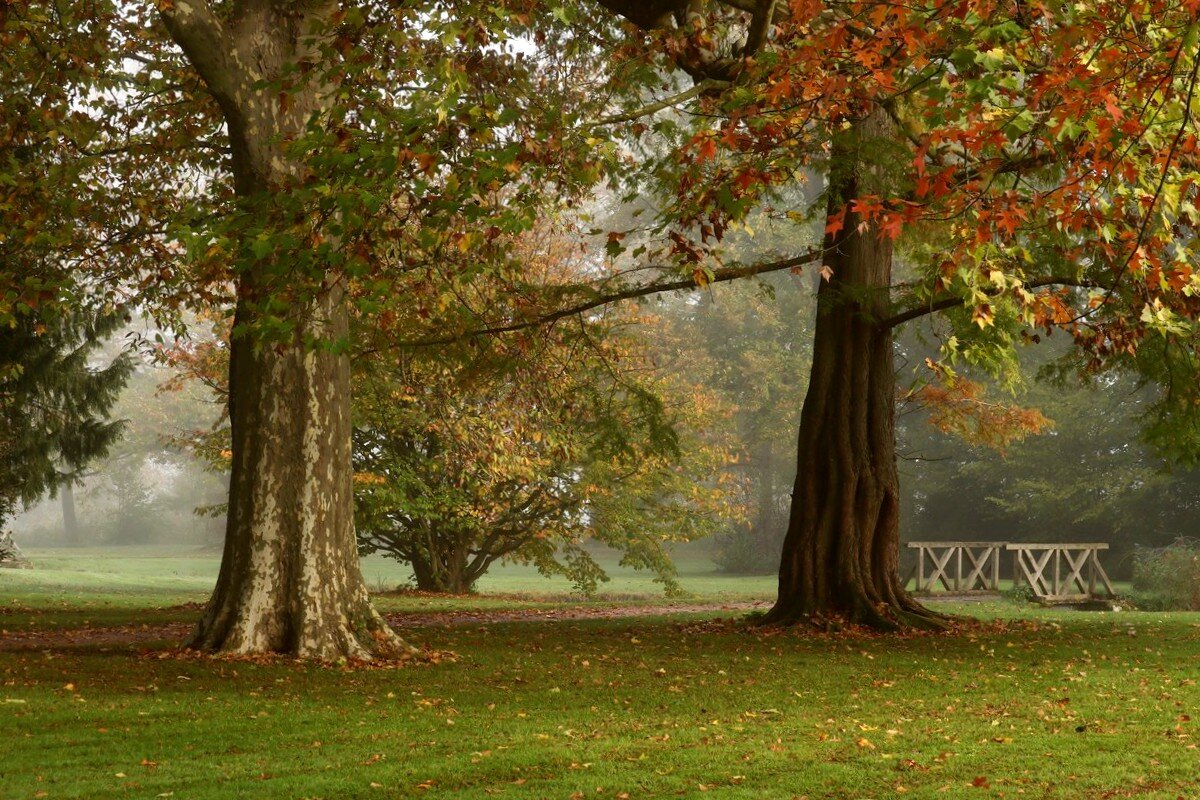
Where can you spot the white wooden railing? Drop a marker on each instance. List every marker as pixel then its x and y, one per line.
pixel 1056 573
pixel 957 566
pixel 1060 572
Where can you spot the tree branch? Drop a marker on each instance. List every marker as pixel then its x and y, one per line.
pixel 760 27
pixel 954 302
pixel 647 15
pixel 653 108
pixel 196 29
pixel 719 276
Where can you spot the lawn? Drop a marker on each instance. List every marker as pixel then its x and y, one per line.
pixel 1059 704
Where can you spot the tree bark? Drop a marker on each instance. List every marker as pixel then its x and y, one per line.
pixel 452 581
pixel 290 579
pixel 840 559
pixel 444 568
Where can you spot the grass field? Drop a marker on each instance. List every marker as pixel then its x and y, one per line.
pixel 1057 704
pixel 172 574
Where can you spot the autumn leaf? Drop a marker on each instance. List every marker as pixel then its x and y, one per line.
pixel 835 222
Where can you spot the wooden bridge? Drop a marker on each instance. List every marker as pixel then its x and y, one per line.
pixel 1055 573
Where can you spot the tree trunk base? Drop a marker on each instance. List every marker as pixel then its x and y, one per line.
pixel 361 635
pixel 906 615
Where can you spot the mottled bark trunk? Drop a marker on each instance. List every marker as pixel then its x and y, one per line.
pixel 840 558
pixel 290 580
pixel 66 497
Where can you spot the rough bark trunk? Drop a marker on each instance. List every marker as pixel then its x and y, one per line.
pixel 290 580
pixel 840 557
pixel 452 582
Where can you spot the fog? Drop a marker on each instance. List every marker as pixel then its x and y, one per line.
pixel 1086 476
pixel 150 489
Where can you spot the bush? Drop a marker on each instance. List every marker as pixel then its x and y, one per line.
pixel 1168 578
pixel 744 550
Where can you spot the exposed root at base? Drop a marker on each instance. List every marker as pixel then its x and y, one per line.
pixel 361 636
pixel 889 620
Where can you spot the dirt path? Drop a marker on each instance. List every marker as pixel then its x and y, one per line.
pixel 129 636
pixel 102 639
pixel 421 619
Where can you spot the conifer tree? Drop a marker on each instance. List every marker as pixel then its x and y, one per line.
pixel 54 403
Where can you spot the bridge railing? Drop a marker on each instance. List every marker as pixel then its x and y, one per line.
pixel 1060 572
pixel 1055 573
pixel 957 566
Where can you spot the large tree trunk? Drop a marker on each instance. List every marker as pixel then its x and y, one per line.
pixel 840 558
pixel 290 579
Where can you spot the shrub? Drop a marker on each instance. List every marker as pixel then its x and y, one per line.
pixel 1168 578
pixel 747 550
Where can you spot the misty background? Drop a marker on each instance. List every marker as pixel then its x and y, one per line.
pixel 1086 477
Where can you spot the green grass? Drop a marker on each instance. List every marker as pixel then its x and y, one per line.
pixel 1067 705
pixel 102 586
pixel 134 575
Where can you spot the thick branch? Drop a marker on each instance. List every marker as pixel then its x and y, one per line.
pixel 198 31
pixel 671 14
pixel 719 276
pixel 760 26
pixel 955 302
pixel 647 14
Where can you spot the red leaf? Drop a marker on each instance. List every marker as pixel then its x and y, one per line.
pixel 835 222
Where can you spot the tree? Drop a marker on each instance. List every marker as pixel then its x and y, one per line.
pixel 984 139
pixel 249 155
pixel 461 465
pixel 54 404
pixel 519 447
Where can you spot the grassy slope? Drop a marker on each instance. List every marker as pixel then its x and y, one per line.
pixel 1078 706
